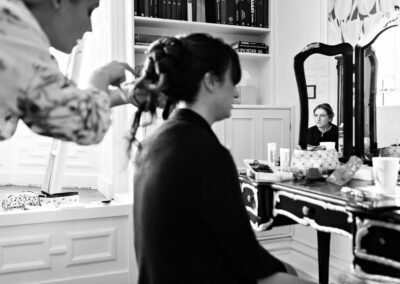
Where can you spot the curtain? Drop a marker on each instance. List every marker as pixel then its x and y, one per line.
pixel 349 20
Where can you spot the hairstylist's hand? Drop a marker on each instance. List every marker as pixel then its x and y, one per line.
pixel 112 73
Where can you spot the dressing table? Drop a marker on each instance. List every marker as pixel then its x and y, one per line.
pixel 326 208
pixel 373 224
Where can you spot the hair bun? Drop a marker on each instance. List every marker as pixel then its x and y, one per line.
pixel 173 47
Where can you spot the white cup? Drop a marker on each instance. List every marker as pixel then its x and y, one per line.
pixel 328 145
pixel 385 171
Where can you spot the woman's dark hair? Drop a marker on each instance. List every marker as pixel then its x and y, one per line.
pixel 327 108
pixel 174 69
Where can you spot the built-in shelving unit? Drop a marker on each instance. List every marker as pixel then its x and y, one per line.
pixel 198 26
pixel 257 69
pixel 141 49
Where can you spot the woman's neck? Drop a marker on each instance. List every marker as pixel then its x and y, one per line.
pixel 325 128
pixel 199 109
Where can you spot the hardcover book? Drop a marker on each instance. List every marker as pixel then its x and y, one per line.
pixel 252 13
pixel 184 10
pixel 260 13
pixel 211 11
pixel 135 8
pixel 155 8
pixel 141 8
pixel 247 43
pixel 237 12
pixel 169 9
pixel 243 13
pixel 218 11
pixel 179 9
pixel 173 10
pixel 223 12
pixel 230 12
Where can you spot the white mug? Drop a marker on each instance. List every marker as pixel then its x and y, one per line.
pixel 328 145
pixel 385 171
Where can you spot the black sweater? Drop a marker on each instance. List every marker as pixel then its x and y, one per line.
pixel 190 222
pixel 314 136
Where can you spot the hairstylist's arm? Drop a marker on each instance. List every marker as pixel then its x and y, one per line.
pixel 113 74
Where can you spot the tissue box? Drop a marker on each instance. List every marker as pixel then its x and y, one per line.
pixel 57 199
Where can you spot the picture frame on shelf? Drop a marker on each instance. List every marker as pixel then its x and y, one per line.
pixel 311 91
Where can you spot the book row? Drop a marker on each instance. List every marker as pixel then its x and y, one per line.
pixel 240 46
pixel 252 13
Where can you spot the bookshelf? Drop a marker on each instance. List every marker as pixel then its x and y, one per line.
pixel 257 68
pixel 252 125
pixel 209 27
pixel 141 49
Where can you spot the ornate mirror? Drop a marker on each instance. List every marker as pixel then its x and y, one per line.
pixel 340 56
pixel 377 92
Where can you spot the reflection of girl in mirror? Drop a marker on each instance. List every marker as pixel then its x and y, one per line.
pixel 323 130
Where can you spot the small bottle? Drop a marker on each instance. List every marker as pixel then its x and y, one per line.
pixel 271 148
pixel 340 142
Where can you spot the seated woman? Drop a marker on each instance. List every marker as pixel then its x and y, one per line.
pixel 324 130
pixel 190 222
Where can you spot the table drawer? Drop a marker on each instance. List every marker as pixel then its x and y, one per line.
pixel 254 199
pixel 377 247
pixel 320 215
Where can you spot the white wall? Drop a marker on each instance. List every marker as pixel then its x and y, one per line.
pixel 297 23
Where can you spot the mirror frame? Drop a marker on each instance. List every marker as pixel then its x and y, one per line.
pixel 363 50
pixel 345 84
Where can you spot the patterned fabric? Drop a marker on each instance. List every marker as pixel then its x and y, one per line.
pixel 34 90
pixel 344 173
pixel 323 160
pixel 20 200
pixel 349 20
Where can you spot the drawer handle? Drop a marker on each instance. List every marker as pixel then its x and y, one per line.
pixel 250 198
pixel 305 210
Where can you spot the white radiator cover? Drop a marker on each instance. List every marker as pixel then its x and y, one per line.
pixel 83 245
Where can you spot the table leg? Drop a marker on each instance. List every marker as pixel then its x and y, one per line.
pixel 324 242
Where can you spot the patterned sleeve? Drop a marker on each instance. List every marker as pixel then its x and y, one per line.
pixel 33 88
pixel 54 106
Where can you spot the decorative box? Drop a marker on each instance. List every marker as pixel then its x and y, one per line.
pixel 324 160
pixel 58 198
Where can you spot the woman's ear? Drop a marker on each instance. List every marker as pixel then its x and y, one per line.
pixel 209 81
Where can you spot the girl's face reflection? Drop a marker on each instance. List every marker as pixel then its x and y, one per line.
pixel 321 117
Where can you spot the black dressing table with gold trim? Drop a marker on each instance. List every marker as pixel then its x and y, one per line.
pixel 327 209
